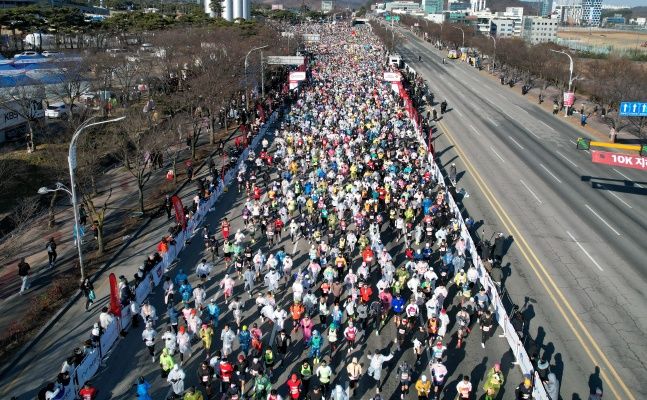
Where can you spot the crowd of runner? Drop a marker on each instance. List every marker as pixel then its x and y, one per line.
pixel 345 172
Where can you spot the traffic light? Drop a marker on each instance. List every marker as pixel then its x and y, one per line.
pixel 583 143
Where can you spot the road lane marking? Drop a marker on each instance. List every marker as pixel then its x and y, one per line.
pixel 522 110
pixel 617 197
pixel 459 112
pixel 548 126
pixel 530 190
pixel 567 159
pixel 515 142
pixel 497 154
pixel 492 121
pixel 628 178
pixel 571 318
pixel 550 173
pixel 585 252
pixel 475 130
pixel 602 219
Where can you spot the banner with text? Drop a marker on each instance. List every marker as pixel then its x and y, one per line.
pixel 619 160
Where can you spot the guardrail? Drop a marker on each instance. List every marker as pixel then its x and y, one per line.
pixel 93 358
pixel 522 359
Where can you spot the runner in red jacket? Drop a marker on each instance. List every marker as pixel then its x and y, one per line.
pixel 294 386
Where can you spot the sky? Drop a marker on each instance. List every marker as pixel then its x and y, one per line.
pixel 629 3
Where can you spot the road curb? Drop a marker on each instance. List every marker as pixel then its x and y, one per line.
pixel 57 316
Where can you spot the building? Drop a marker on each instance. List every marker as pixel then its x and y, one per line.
pixel 568 14
pixel 591 12
pixel 459 5
pixel 403 6
pixel 477 5
pixel 500 24
pixel 231 9
pixel 546 8
pixel 327 6
pixel 277 7
pixel 502 27
pixel 539 29
pixel 640 21
pixel 432 6
pixel 617 19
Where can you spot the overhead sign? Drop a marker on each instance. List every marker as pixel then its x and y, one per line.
pixel 284 60
pixel 392 76
pixel 297 76
pixel 633 109
pixel 569 99
pixel 619 160
pixel 311 37
pixel 392 18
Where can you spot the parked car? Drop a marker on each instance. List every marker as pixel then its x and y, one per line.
pixel 61 110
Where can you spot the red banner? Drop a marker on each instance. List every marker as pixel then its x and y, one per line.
pixel 180 217
pixel 619 160
pixel 115 304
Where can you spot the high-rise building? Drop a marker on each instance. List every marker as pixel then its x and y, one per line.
pixel 327 6
pixel 477 5
pixel 546 8
pixel 231 9
pixel 432 6
pixel 591 12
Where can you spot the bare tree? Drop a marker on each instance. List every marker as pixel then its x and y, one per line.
pixel 138 141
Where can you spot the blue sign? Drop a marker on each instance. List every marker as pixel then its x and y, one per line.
pixel 633 109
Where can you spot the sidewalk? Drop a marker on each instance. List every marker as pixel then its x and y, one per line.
pixel 118 227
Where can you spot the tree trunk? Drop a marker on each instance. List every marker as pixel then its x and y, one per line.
pixel 31 143
pixel 100 244
pixel 140 190
pixel 212 126
pixel 52 214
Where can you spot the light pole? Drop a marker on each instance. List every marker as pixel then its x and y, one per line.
pixel 71 161
pixel 494 57
pixel 463 32
pixel 570 76
pixel 246 64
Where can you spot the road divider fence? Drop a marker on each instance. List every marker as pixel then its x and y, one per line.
pixel 515 343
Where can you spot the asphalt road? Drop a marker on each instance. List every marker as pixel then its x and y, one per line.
pixel 577 229
pixel 131 358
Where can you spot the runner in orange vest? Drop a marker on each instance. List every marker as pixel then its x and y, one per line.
pixel 297 310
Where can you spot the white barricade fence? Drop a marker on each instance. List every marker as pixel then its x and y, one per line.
pixel 143 290
pixel 67 392
pixel 522 359
pixel 126 317
pixel 109 337
pixel 88 367
pixel 90 364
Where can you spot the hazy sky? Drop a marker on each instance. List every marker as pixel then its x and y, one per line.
pixel 630 3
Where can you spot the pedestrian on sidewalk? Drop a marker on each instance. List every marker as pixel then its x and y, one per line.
pixel 51 252
pixel 88 392
pixel 88 291
pixel 23 273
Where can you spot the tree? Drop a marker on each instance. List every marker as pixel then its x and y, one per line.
pixel 138 142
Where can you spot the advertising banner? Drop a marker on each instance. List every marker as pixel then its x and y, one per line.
pixel 392 76
pixel 115 304
pixel 297 76
pixel 619 160
pixel 180 217
pixel 569 99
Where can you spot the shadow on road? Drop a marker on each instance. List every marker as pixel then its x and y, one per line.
pixel 616 185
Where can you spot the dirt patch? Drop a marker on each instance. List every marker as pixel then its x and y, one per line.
pixel 618 40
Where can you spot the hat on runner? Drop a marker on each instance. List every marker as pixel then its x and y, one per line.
pixel 423 378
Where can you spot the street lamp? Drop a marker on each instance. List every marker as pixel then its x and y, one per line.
pixel 570 76
pixel 494 57
pixel 246 64
pixel 71 161
pixel 458 27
